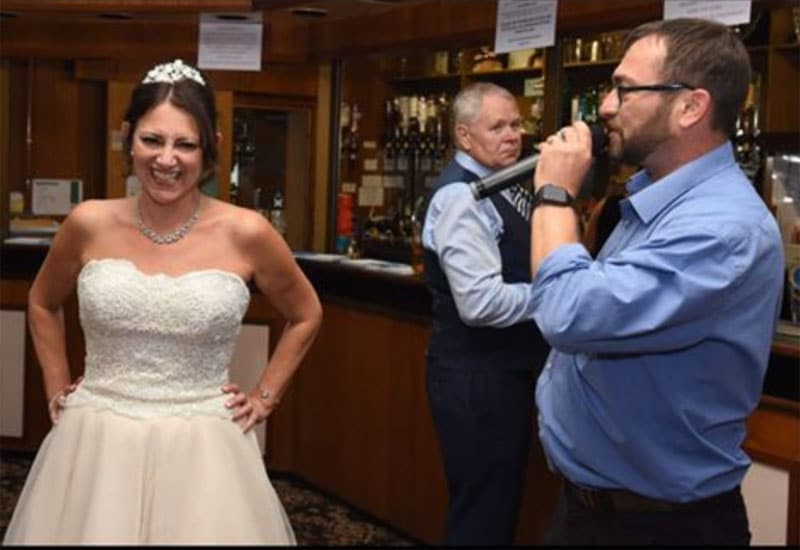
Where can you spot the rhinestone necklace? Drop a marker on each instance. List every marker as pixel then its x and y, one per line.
pixel 166 238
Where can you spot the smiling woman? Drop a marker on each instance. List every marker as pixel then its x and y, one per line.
pixel 161 281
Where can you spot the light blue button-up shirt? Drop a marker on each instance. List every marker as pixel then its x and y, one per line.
pixel 464 234
pixel 661 345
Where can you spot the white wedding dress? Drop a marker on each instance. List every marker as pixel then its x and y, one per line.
pixel 145 451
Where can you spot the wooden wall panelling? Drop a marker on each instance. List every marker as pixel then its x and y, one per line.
pixel 118 94
pixel 85 38
pixel 90 138
pixel 65 127
pixel 54 120
pixel 539 497
pixel 16 169
pixel 783 76
pixel 5 99
pixel 427 25
pixel 135 6
pixel 365 432
pixel 14 293
pixel 321 146
pixel 280 425
pixel 285 38
pixel 224 101
pixel 279 80
pixel 444 23
pixel 299 185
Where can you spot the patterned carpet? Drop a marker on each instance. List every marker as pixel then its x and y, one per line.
pixel 318 519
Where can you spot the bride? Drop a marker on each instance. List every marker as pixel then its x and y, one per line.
pixel 154 445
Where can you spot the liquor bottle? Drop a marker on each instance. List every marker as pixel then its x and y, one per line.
pixel 354 144
pixel 389 144
pixel 747 143
pixel 589 105
pixel 442 131
pixel 402 133
pixel 276 215
pixel 388 130
pixel 234 189
pixel 344 125
pixel 413 124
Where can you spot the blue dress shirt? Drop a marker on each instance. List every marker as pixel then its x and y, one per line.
pixel 661 345
pixel 464 234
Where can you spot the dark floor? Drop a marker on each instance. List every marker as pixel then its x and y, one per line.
pixel 317 518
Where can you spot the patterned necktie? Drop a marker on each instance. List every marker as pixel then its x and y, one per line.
pixel 521 199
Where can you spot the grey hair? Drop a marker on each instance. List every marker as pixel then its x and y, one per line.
pixel 467 104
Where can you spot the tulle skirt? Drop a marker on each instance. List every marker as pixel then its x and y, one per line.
pixel 104 478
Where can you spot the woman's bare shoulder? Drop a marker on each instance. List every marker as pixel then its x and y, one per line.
pixel 242 223
pixel 96 214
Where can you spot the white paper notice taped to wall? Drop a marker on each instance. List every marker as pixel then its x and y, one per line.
pixel 370 196
pixel 727 12
pixel 230 41
pixel 55 197
pixel 524 24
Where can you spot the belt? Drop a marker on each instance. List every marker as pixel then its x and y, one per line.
pixel 618 499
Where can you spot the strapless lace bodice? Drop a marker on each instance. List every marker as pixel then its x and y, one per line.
pixel 156 344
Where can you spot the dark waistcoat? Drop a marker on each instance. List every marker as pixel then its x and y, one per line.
pixel 518 346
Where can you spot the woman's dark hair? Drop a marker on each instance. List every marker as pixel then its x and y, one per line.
pixel 707 55
pixel 187 94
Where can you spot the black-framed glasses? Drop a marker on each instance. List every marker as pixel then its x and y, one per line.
pixel 672 87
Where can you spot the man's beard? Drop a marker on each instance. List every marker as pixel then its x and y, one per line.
pixel 646 138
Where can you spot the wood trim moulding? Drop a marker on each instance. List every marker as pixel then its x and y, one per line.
pixel 443 23
pixel 276 79
pixel 92 39
pixel 284 40
pixel 140 6
pixel 14 293
pixel 772 433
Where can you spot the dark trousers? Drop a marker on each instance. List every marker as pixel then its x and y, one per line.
pixel 483 417
pixel 720 520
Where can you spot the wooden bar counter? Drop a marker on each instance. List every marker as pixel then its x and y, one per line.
pixel 356 422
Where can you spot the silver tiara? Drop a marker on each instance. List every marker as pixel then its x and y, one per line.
pixel 172 73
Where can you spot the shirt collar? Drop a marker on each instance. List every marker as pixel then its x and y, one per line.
pixel 648 200
pixel 466 161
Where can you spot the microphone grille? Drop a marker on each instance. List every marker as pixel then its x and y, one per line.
pixel 599 138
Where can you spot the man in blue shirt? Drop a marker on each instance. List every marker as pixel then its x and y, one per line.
pixel 660 345
pixel 485 349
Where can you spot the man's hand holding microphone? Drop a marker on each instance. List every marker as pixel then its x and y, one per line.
pixel 564 160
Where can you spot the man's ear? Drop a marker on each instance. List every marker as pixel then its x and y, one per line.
pixel 463 137
pixel 694 107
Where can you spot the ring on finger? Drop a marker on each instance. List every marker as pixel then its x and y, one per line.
pixel 562 135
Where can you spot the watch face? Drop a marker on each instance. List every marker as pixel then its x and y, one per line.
pixel 553 194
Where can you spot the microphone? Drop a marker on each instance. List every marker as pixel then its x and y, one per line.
pixel 508 176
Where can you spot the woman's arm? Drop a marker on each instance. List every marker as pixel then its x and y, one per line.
pixel 278 276
pixel 53 284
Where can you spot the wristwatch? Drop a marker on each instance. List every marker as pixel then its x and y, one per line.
pixel 552 194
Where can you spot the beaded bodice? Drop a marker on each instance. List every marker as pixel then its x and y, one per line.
pixel 156 344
